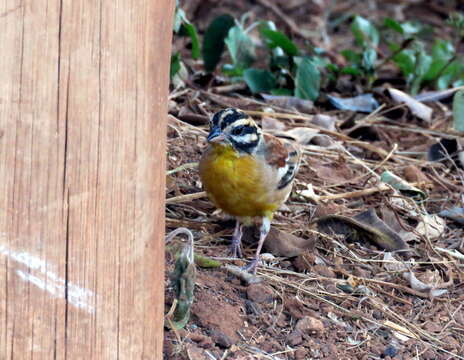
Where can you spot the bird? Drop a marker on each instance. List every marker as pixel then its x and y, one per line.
pixel 247 173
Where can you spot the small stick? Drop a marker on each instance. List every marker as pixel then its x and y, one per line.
pixel 449 134
pixel 358 193
pixel 185 198
pixel 196 128
pixel 355 194
pixel 185 166
pixel 229 88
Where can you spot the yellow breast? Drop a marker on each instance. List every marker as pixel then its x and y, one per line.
pixel 234 183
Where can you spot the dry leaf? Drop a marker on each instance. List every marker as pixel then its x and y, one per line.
pixel 309 193
pixel 391 264
pixel 270 123
pixel 289 102
pixel 307 136
pixel 417 108
pixel 418 285
pixel 281 243
pixel 364 226
pixel 324 121
pixel 362 103
pixel 431 226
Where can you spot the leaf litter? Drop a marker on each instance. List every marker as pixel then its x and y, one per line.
pixel 320 295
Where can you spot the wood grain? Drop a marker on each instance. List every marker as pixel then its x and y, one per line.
pixel 82 166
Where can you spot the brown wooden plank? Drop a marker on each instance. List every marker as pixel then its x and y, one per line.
pixel 82 151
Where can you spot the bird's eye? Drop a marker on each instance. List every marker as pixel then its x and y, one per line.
pixel 237 130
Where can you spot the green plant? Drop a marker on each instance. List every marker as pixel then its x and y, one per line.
pixel 301 72
pixel 183 27
pixel 288 70
pixel 437 66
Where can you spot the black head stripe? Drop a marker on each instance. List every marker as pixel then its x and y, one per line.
pixel 217 117
pixel 229 116
pixel 245 147
pixel 250 130
pixel 241 130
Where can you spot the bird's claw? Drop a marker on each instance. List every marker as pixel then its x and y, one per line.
pixel 236 249
pixel 252 266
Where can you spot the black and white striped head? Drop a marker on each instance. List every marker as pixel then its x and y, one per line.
pixel 234 127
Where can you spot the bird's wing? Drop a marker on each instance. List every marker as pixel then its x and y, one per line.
pixel 283 155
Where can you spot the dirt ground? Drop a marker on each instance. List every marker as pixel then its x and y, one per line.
pixel 330 296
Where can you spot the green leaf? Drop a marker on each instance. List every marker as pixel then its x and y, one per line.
pixel 231 70
pixel 435 69
pixel 406 61
pixel 364 32
pixel 278 39
pixel 412 28
pixel 175 65
pixel 241 47
pixel 277 52
pixel 259 80
pixel 320 62
pixel 394 25
pixel 460 82
pixel 333 68
pixel 307 80
pixel 369 57
pixel 192 33
pixel 443 82
pixel 213 41
pixel 458 111
pixel 179 18
pixel 184 26
pixel 393 47
pixel 454 71
pixel 423 62
pixel 282 62
pixel 351 70
pixel 443 50
pixel 352 56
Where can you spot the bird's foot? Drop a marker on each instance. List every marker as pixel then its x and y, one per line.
pixel 236 246
pixel 252 266
pixel 236 249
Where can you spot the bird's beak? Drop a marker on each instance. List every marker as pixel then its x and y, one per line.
pixel 215 136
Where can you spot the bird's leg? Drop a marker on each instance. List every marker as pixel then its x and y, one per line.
pixel 236 248
pixel 264 230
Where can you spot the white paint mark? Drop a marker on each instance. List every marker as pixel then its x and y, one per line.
pixel 47 280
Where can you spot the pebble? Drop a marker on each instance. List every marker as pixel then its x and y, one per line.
pixel 202 340
pixel 222 339
pixel 300 353
pixel 295 338
pixel 260 293
pixel 309 325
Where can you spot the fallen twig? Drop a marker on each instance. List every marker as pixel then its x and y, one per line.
pixel 185 198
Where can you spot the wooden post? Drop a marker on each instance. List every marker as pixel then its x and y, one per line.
pixel 83 93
